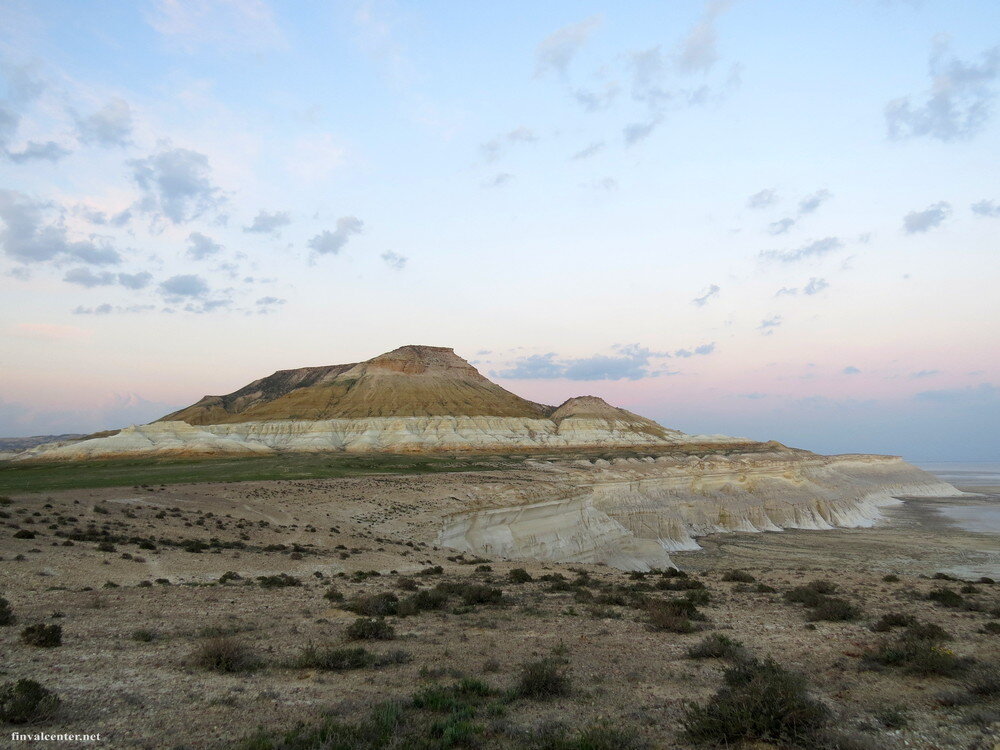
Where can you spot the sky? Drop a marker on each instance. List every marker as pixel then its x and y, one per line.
pixel 763 218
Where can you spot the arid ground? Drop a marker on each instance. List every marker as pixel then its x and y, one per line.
pixel 132 576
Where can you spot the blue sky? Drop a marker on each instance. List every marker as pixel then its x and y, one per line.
pixel 774 219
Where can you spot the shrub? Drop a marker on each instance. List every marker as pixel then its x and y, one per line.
pixel 24 534
pixel 225 655
pixel 143 636
pixel 406 584
pixel 946 597
pixel 543 679
pixel 918 650
pixel 338 659
pixel 374 605
pixel 699 597
pixel 984 681
pixel 599 736
pixel 278 581
pixel 230 575
pixel 680 584
pixel 333 594
pixel 760 701
pixel 420 601
pixel 370 629
pixel 6 613
pixel 717 646
pixel 833 609
pixel 891 578
pixel 26 701
pixel 893 717
pixel 893 620
pixel 42 635
pixel 480 594
pixel 669 616
pixel 763 588
pixel 991 628
pixel 811 594
pixel 738 576
pixel 520 575
pixel 434 570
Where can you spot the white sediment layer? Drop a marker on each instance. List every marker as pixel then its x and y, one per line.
pixel 366 435
pixel 633 514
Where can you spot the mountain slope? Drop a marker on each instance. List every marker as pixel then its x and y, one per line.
pixel 411 381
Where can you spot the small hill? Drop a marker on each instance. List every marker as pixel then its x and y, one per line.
pixel 411 381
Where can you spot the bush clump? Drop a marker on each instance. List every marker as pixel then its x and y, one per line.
pixel 893 620
pixel 520 575
pixel 834 609
pixel 7 616
pixel 370 629
pixel 333 594
pixel 25 701
pixel 336 659
pixel 946 597
pixel 717 646
pixel 918 650
pixel 672 616
pixel 422 601
pixel 738 576
pixel 890 578
pixel 374 605
pixel 278 581
pixel 42 635
pixel 760 701
pixel 543 679
pixel 225 654
pixel 811 594
pixel 476 593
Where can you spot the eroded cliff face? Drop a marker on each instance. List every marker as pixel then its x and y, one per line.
pixel 630 513
pixel 373 434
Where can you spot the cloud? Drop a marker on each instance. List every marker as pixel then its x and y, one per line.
pixel 969 395
pixel 135 280
pixel 269 302
pixel 86 277
pixel 109 126
pixel 706 295
pixel 176 183
pixel 958 104
pixel 394 260
pixel 498 180
pixel 557 50
pixel 930 217
pixel 923 374
pixel 697 52
pixel 331 243
pixel 28 237
pixel 217 24
pixel 986 208
pixel 201 246
pixel 762 199
pixel 781 226
pixel 589 151
pixel 636 132
pixel 269 223
pixel 815 286
pixel 814 249
pixel 596 101
pixel 492 149
pixel 630 362
pixel 811 202
pixel 768 325
pixel 34 151
pixel 107 308
pixel 606 183
pixel 184 285
pixel 702 350
pixel 851 370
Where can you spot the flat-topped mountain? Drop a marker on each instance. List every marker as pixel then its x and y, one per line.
pixel 414 398
pixel 411 381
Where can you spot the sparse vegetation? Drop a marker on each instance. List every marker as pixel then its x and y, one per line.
pixel 25 702
pixel 370 629
pixel 278 581
pixel 717 646
pixel 892 620
pixel 833 609
pixel 738 576
pixel 919 650
pixel 519 575
pixel 225 654
pixel 543 679
pixel 42 635
pixel 760 701
pixel 374 605
pixel 7 616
